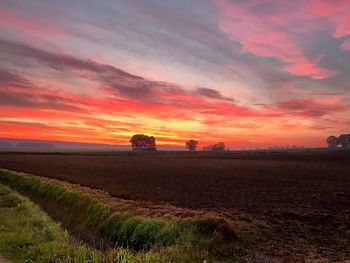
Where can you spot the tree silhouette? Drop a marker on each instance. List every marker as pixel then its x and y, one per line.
pixel 332 141
pixel 143 142
pixel 343 140
pixel 192 145
pixel 220 146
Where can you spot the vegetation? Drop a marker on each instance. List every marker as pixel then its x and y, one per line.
pixel 217 147
pixel 138 239
pixel 192 145
pixel 143 142
pixel 343 141
pixel 27 234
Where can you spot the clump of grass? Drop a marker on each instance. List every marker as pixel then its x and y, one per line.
pixel 207 236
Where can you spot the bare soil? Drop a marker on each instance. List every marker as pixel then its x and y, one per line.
pixel 4 260
pixel 288 207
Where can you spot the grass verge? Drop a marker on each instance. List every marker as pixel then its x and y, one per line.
pixel 27 234
pixel 138 239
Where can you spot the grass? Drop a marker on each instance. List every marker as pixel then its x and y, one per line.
pixel 137 239
pixel 27 234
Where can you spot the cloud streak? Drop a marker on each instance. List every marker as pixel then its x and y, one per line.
pixel 8 78
pixel 277 30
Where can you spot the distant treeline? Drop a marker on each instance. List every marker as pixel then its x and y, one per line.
pixel 142 142
pixel 342 141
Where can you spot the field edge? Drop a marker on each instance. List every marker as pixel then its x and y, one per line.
pixel 209 238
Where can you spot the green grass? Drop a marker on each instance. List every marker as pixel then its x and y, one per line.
pixel 27 234
pixel 137 238
pixel 122 229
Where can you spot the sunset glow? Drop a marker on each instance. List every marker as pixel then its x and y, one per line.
pixel 249 73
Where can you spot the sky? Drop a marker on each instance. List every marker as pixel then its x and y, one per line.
pixel 252 74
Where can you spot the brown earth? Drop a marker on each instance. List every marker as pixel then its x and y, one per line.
pixel 4 260
pixel 289 207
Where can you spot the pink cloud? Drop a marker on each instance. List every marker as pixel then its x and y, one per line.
pixel 336 12
pixel 276 34
pixel 26 25
pixel 309 69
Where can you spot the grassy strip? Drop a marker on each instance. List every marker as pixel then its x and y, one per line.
pixel 27 234
pixel 202 238
pixel 120 228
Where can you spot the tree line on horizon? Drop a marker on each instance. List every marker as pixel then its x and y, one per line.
pixel 343 141
pixel 148 143
pixel 142 142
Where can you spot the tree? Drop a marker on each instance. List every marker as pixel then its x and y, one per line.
pixel 332 141
pixel 344 140
pixel 220 146
pixel 143 142
pixel 192 145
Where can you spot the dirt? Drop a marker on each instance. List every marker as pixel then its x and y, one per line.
pixel 289 207
pixel 4 260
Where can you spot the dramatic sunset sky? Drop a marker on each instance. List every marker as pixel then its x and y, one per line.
pixel 250 73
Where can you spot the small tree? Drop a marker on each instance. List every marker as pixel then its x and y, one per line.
pixel 217 147
pixel 220 146
pixel 332 141
pixel 344 140
pixel 192 145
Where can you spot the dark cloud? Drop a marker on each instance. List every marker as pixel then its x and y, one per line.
pixel 8 78
pixel 60 61
pixel 31 100
pixel 212 94
pixel 310 108
pixel 117 81
pixel 122 82
pixel 314 113
pixel 140 89
pixel 294 104
pixel 16 91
